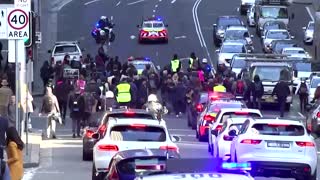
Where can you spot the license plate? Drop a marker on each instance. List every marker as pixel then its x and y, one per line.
pixel 269 99
pixel 278 144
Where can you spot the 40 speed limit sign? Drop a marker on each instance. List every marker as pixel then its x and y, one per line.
pixel 18 24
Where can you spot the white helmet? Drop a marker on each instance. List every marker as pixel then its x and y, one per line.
pixel 102 33
pixel 204 60
pixel 103 17
pixel 152 98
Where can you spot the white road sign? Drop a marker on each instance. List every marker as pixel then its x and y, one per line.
pixel 3 24
pixel 18 24
pixel 23 4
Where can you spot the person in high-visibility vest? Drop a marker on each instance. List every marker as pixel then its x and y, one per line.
pixel 123 93
pixel 219 88
pixel 194 62
pixel 175 64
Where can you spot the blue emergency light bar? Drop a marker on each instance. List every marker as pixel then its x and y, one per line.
pixel 236 166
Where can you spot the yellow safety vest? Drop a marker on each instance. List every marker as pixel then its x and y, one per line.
pixel 191 62
pixel 124 94
pixel 219 88
pixel 175 65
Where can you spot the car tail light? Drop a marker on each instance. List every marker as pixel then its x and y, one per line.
pixel 172 148
pixel 251 141
pixel 104 147
pixel 305 144
pixel 318 114
pixel 129 113
pixel 138 125
pixel 199 107
pixel 219 127
pixel 89 133
pixel 228 138
pixel 208 117
pixel 102 128
pixel 241 113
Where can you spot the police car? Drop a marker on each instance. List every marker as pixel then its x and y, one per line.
pixel 127 134
pixel 63 48
pixel 153 29
pixel 140 64
pixel 201 169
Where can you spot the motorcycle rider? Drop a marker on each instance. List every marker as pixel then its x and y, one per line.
pixel 153 105
pixel 104 23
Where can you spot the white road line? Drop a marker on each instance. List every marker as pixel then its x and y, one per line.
pixel 309 12
pixel 118 3
pixel 173 1
pixel 154 11
pixel 29 173
pixel 135 2
pixel 90 2
pixel 318 152
pixel 153 15
pixel 301 115
pixel 156 6
pixel 180 37
pixel 64 4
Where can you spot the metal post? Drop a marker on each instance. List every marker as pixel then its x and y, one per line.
pixel 17 70
pixel 27 109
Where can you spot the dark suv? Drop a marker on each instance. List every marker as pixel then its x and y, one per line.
pixel 222 23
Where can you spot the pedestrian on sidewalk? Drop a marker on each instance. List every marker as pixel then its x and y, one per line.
pixel 15 155
pixel 5 95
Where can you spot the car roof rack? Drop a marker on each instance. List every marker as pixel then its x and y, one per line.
pixel 273 2
pixel 66 42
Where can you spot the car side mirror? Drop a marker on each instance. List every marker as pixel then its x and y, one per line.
pixel 49 51
pixel 232 133
pixel 174 138
pixel 308 107
pixel 96 136
pixel 166 25
pixel 218 50
pixel 304 28
pixel 138 26
pixel 214 132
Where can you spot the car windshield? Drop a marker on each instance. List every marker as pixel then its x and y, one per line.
pixel 138 133
pixel 315 82
pixel 66 49
pixel 278 129
pixel 279 46
pixel 303 67
pixel 236 34
pixel 240 114
pixel 233 49
pixel 141 166
pixel 238 63
pixel 271 73
pixel 158 25
pixel 293 51
pixel 274 12
pixel 147 25
pixel 215 107
pixel 224 22
pixel 278 35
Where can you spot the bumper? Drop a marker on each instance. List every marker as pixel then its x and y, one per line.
pixel 154 38
pixel 290 169
pixel 102 161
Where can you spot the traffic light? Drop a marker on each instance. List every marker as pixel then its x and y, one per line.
pixel 29 41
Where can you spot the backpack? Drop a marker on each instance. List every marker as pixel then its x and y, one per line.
pixel 240 87
pixel 303 88
pixel 89 101
pixel 75 104
pixel 48 104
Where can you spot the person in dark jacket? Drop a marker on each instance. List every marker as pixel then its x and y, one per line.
pixel 143 93
pixel 62 91
pixel 257 92
pixel 134 92
pixel 282 91
pixel 179 98
pixel 76 106
pixel 46 73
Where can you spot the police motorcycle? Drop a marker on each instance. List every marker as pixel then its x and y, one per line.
pixel 103 34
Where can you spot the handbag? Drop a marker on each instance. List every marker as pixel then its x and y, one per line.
pixel 57 117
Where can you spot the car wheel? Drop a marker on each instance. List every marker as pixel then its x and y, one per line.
pixel 86 156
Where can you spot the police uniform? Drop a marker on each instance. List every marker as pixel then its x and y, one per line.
pixel 219 88
pixel 175 65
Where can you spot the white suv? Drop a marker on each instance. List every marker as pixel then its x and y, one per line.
pixel 127 134
pixel 276 146
pixel 63 48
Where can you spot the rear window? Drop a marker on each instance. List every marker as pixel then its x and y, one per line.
pixel 65 49
pixel 141 166
pixel 280 130
pixel 216 107
pixel 138 133
pixel 130 115
pixel 241 114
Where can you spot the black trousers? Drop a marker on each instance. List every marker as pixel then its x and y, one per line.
pixel 63 109
pixel 303 102
pixel 178 106
pixel 282 105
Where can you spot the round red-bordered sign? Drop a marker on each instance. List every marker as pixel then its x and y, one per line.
pixel 26 19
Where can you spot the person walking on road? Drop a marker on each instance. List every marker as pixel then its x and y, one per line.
pixel 257 92
pixel 50 108
pixel 175 64
pixel 15 155
pixel 282 91
pixel 76 106
pixel 123 93
pixel 303 92
pixel 62 91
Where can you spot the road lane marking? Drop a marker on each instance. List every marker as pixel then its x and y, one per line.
pixel 135 2
pixel 154 11
pixel 132 37
pixel 309 12
pixel 198 29
pixel 118 3
pixel 64 4
pixel 90 2
pixel 180 37
pixel 156 6
pixel 173 1
pixel 301 114
pixel 29 173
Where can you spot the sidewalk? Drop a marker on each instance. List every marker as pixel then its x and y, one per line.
pixel 31 153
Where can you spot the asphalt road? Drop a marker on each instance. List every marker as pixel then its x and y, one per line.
pixel 190 28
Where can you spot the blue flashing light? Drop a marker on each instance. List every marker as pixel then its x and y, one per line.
pixel 236 166
pixel 147 59
pixel 97 25
pixel 159 18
